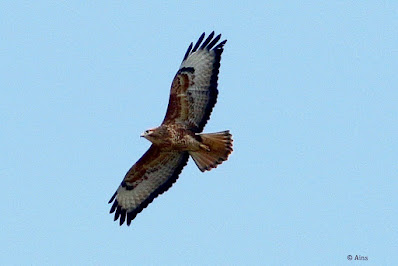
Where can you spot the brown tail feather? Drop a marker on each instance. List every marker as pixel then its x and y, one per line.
pixel 217 147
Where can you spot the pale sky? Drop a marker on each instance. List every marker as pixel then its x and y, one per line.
pixel 308 89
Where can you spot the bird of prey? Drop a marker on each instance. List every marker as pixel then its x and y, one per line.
pixel 193 95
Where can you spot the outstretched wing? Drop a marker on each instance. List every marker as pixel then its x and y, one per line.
pixel 154 173
pixel 194 91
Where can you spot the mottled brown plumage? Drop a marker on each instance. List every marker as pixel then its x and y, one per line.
pixel 193 95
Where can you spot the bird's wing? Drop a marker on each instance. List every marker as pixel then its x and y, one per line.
pixel 154 173
pixel 194 91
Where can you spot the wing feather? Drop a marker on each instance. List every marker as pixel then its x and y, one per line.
pixel 194 91
pixel 188 51
pixel 213 42
pixel 198 42
pixel 206 42
pixel 154 173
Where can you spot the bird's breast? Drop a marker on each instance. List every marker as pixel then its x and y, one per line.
pixel 177 139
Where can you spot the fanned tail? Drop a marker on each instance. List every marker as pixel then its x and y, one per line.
pixel 215 148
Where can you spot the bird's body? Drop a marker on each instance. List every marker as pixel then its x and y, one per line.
pixel 193 95
pixel 176 137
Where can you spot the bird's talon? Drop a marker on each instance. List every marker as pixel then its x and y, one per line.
pixel 205 147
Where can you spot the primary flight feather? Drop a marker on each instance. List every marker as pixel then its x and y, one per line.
pixel 193 95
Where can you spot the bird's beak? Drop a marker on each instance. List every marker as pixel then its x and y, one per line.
pixel 146 134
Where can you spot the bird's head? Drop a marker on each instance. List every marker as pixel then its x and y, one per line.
pixel 151 134
pixel 147 133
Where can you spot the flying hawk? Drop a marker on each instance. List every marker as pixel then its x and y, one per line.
pixel 193 95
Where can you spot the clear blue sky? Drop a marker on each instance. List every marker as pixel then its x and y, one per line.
pixel 308 89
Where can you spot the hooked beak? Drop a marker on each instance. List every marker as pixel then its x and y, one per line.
pixel 146 133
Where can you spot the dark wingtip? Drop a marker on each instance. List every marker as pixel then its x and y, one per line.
pixel 113 197
pixel 188 51
pixel 117 213
pixel 207 44
pixel 208 39
pixel 114 206
pixel 220 45
pixel 122 216
pixel 213 42
pixel 122 213
pixel 198 42
pixel 130 217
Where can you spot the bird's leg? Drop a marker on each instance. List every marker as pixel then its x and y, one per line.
pixel 205 147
